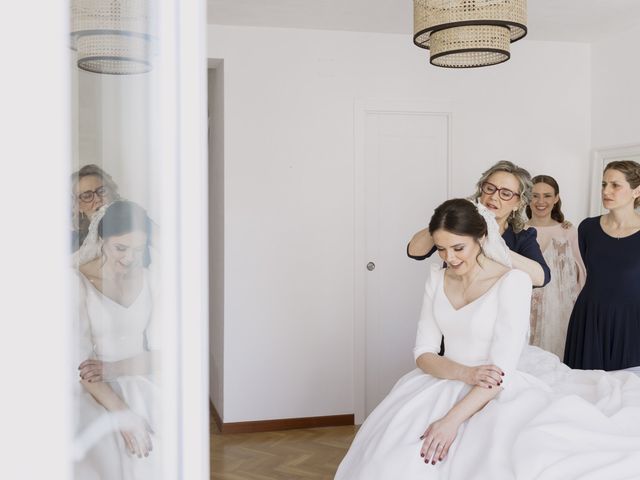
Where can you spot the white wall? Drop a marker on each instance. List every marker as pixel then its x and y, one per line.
pixel 216 237
pixel 289 153
pixel 615 95
pixel 113 122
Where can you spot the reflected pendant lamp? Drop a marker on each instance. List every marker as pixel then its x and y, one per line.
pixel 112 36
pixel 468 33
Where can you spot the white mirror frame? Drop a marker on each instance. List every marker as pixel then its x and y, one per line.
pixel 601 157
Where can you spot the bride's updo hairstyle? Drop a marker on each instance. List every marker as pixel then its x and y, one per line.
pixel 122 217
pixel 460 217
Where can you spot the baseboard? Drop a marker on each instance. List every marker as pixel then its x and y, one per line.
pixel 215 415
pixel 281 424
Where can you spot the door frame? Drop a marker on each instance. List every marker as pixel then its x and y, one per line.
pixel 363 108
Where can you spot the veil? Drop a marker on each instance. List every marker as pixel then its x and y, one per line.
pixel 494 246
pixel 91 248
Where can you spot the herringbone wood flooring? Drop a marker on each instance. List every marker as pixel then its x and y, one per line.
pixel 312 453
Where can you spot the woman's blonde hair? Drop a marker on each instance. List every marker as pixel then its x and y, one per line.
pixel 631 172
pixel 518 218
pixel 79 221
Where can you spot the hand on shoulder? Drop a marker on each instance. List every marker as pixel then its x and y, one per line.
pixel 91 269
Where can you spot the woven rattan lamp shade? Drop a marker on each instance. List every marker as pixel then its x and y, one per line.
pixel 468 33
pixel 112 36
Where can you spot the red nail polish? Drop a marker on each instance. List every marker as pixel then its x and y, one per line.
pixel 433 463
pixel 490 386
pixel 422 454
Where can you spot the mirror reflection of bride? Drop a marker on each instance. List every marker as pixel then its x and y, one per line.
pixel 117 349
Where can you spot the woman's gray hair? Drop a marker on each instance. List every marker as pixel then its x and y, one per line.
pixel 518 218
pixel 80 222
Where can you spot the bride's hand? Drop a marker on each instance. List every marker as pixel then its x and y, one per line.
pixel 486 376
pixel 438 437
pixel 135 432
pixel 93 370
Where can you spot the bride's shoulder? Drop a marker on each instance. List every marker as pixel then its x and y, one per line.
pixel 506 275
pixel 436 275
pixel 514 278
pixel 494 270
pixel 90 269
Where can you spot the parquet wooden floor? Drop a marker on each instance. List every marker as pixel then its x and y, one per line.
pixel 312 453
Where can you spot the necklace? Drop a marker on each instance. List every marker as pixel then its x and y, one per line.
pixel 473 278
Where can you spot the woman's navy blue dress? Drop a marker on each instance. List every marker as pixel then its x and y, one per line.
pixel 604 329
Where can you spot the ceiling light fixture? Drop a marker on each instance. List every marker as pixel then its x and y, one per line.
pixel 112 36
pixel 468 33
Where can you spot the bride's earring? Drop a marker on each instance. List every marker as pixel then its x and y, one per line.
pixel 103 257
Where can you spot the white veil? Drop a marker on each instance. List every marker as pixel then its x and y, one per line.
pixel 91 248
pixel 494 246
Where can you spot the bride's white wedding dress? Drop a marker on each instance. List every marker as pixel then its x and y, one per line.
pixel 109 331
pixel 549 422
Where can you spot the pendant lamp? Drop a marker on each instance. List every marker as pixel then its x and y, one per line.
pixel 112 36
pixel 468 33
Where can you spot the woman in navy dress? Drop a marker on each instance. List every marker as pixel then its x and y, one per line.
pixel 505 189
pixel 604 329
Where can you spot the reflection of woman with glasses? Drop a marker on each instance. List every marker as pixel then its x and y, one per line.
pixel 505 189
pixel 92 188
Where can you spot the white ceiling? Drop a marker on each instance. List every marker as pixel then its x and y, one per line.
pixel 559 20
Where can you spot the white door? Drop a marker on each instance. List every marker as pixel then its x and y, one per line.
pixel 405 175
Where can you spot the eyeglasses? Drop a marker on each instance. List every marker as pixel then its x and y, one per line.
pixel 504 193
pixel 89 195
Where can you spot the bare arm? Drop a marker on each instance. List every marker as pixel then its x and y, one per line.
pixel 486 376
pixel 105 396
pixel 530 267
pixel 94 370
pixel 421 243
pixel 134 429
pixel 472 403
pixel 440 435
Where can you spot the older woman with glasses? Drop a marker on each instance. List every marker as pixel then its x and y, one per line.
pixel 92 188
pixel 505 189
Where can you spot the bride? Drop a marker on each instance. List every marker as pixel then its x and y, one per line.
pixel 484 411
pixel 117 352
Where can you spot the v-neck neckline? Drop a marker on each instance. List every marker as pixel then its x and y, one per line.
pixel 489 290
pixel 118 304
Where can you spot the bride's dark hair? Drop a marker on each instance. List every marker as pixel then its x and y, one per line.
pixel 122 217
pixel 460 217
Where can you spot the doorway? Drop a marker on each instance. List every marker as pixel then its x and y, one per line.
pixel 402 173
